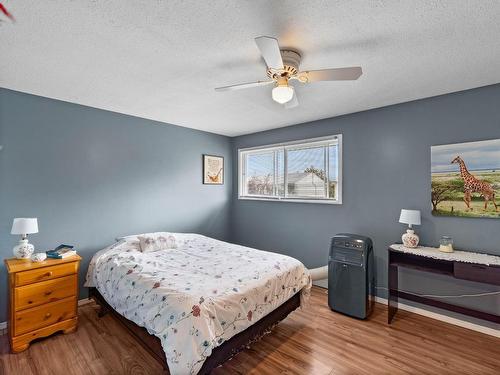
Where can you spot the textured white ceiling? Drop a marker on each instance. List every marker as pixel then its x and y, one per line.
pixel 162 59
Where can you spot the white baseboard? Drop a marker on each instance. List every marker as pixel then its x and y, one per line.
pixel 323 283
pixel 84 301
pixel 444 318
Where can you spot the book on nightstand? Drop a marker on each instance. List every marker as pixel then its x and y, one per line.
pixel 61 252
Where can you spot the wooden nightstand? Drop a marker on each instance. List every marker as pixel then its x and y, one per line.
pixel 43 299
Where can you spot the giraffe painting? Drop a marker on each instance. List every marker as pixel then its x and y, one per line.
pixel 465 179
pixel 474 185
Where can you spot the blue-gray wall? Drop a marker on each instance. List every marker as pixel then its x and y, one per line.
pixel 386 167
pixel 90 175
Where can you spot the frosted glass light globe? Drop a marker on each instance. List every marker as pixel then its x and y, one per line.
pixel 282 94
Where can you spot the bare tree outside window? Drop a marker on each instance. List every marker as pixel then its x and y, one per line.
pixel 260 185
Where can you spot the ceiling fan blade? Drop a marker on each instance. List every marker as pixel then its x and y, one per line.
pixel 336 74
pixel 292 103
pixel 244 85
pixel 270 51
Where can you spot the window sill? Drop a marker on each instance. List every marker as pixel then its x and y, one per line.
pixel 292 200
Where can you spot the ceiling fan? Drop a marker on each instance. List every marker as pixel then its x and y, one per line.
pixel 283 67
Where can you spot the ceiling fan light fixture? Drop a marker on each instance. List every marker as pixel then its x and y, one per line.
pixel 282 94
pixel 283 65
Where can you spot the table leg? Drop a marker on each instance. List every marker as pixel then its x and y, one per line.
pixel 392 299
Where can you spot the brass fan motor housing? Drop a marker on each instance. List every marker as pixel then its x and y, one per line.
pixel 291 62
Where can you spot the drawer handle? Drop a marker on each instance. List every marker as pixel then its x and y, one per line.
pixel 47 316
pixel 48 293
pixel 46 274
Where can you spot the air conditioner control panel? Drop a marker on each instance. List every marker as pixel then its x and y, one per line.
pixel 349 244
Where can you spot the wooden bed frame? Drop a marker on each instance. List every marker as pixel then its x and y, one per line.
pixel 220 354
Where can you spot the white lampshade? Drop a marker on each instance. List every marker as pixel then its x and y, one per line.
pixel 282 94
pixel 411 217
pixel 23 225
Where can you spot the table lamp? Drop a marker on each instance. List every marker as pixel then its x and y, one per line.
pixel 410 217
pixel 24 226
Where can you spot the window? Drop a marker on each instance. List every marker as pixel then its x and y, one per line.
pixel 302 171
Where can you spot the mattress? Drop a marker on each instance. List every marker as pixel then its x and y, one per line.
pixel 197 296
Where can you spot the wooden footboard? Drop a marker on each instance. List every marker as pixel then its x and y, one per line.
pixel 220 354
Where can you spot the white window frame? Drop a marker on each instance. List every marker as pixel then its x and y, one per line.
pixel 311 142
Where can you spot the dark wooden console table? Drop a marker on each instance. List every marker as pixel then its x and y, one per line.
pixel 464 265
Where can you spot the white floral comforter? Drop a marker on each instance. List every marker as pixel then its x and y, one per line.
pixel 197 296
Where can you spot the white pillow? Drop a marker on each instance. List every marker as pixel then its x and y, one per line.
pixel 156 241
pixel 125 238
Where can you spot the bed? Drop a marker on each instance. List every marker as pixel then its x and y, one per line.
pixel 196 305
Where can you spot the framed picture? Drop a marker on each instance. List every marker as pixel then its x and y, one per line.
pixel 465 179
pixel 213 170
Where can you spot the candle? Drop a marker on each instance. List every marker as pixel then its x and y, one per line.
pixel 446 244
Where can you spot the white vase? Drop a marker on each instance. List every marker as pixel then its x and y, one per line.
pixel 23 250
pixel 410 238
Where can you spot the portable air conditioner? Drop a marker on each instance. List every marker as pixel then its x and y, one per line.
pixel 350 275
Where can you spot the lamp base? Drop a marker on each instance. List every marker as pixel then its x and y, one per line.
pixel 23 250
pixel 410 239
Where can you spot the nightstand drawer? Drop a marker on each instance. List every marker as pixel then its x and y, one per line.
pixel 44 292
pixel 45 273
pixel 44 315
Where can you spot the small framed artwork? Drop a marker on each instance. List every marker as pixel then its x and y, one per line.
pixel 213 170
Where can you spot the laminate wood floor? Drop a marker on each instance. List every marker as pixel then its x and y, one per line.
pixel 313 341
